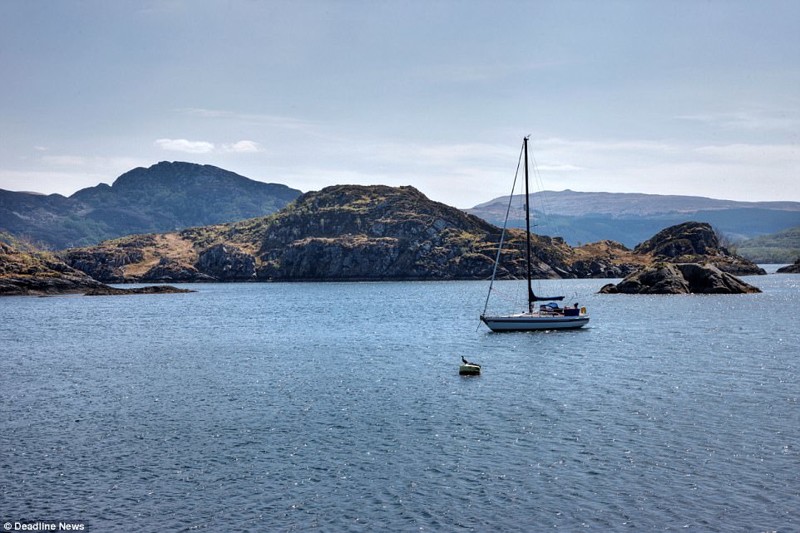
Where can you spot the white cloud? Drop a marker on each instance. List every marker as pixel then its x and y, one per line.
pixel 184 145
pixel 243 147
pixel 204 147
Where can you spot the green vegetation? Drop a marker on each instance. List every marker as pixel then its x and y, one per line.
pixel 781 247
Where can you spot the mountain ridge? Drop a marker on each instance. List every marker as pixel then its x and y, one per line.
pixel 630 218
pixel 163 197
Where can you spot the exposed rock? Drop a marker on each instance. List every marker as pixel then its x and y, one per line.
pixel 695 242
pixel 794 268
pixel 680 278
pixel 605 259
pixel 33 273
pixel 169 270
pixel 226 263
pixel 151 289
pixel 105 267
pixel 39 273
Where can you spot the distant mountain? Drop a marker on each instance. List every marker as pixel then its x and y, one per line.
pixel 164 197
pixel 582 217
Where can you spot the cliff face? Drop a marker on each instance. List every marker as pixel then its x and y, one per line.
pixel 350 232
pixel 355 232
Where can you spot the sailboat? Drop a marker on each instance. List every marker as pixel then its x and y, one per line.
pixel 539 315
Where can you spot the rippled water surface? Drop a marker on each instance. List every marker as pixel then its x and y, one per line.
pixel 338 407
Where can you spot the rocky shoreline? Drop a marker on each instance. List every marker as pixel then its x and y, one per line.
pixel 33 273
pixel 352 233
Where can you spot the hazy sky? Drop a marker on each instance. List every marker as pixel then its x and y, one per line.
pixel 667 97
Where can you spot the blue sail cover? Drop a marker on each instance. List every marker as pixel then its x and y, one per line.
pixel 533 298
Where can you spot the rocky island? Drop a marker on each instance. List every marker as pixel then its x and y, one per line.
pixel 356 233
pixel 687 258
pixel 34 273
pixel 680 278
pixel 794 268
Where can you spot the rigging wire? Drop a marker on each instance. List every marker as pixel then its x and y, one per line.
pixel 503 233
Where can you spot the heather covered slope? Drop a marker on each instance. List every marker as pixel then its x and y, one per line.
pixel 345 232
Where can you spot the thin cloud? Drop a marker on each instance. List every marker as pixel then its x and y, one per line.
pixel 66 160
pixel 751 120
pixel 275 121
pixel 243 147
pixel 756 154
pixel 184 145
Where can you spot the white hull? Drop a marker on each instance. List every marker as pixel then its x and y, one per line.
pixel 533 322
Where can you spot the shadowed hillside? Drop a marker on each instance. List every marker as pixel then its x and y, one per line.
pixel 163 197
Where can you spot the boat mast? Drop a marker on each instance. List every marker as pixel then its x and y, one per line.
pixel 528 227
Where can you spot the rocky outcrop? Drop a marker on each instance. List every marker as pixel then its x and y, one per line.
pixel 105 267
pixel 605 259
pixel 226 263
pixel 794 268
pixel 680 278
pixel 33 273
pixel 378 232
pixel 339 233
pixel 150 289
pixel 695 242
pixel 171 271
pixel 39 273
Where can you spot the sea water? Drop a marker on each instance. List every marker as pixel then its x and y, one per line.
pixel 338 407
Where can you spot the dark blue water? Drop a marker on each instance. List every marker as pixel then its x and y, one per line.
pixel 338 407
